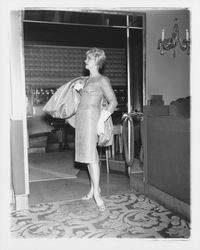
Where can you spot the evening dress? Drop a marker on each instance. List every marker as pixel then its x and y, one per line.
pixel 87 116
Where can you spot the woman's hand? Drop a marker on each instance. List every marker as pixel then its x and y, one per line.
pixel 78 86
pixel 100 127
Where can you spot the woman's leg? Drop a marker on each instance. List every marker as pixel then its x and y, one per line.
pixel 95 178
pixel 91 192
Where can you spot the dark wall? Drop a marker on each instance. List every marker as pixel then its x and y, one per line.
pixel 167 149
pixel 72 35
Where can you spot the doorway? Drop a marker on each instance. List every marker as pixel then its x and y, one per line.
pixel 55 43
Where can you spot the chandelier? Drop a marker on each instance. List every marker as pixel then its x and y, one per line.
pixel 171 43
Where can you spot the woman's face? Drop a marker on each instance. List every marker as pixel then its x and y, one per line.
pixel 90 62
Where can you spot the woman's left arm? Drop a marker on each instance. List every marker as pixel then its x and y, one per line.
pixel 109 94
pixel 112 104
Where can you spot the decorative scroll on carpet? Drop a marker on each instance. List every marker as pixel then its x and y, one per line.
pixel 126 216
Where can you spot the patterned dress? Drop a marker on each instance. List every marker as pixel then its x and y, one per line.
pixel 87 117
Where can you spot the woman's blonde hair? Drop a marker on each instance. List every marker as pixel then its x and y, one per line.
pixel 98 54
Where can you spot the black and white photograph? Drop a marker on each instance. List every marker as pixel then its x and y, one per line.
pixel 99 124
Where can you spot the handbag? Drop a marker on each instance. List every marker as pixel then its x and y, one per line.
pixel 105 139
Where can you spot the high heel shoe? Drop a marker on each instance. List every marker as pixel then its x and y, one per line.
pixel 100 203
pixel 89 196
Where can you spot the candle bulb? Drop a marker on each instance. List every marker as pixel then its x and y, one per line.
pixel 187 35
pixel 163 34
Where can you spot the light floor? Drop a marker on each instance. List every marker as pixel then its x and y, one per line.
pixel 72 189
pixel 56 210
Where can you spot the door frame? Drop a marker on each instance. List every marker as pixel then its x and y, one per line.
pixel 21 200
pixel 18 122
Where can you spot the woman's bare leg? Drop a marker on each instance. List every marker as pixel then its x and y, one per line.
pixel 95 177
pixel 91 192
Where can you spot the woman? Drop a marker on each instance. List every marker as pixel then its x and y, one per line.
pixel 89 122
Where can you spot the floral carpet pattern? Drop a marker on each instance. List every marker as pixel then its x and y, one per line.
pixel 126 216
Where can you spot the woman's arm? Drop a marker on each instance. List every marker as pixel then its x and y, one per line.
pixel 109 94
pixel 112 104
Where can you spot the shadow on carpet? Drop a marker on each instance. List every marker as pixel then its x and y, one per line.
pixel 126 216
pixel 51 166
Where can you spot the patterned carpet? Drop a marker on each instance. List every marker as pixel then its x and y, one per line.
pixel 126 216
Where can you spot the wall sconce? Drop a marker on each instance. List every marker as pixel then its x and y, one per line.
pixel 171 43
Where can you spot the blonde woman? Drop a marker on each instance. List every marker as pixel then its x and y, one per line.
pixel 89 122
